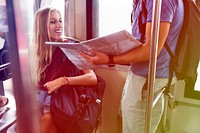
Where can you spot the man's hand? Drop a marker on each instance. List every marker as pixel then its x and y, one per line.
pixel 98 58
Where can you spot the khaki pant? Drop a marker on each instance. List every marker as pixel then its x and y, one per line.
pixel 133 104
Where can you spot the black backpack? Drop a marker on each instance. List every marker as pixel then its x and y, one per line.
pixel 187 54
pixel 184 61
pixel 74 108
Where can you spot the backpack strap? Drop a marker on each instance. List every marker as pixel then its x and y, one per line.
pixel 141 25
pixel 135 4
pixel 172 65
pixel 142 14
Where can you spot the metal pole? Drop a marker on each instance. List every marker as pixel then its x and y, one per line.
pixel 152 62
pixel 27 116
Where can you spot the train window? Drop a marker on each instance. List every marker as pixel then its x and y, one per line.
pixel 89 19
pixel 192 90
pixel 114 16
pixel 197 84
pixel 59 5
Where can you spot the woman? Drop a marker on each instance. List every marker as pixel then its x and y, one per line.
pixel 48 27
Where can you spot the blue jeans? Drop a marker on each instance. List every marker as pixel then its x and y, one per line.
pixel 44 99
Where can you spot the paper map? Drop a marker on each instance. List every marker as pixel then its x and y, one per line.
pixel 112 44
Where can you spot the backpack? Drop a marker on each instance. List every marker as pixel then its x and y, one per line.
pixel 185 60
pixel 74 108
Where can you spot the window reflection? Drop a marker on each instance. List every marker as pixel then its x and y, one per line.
pixel 114 16
pixel 197 84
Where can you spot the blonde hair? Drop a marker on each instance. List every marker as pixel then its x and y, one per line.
pixel 43 52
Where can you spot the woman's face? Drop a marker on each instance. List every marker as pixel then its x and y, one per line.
pixel 55 26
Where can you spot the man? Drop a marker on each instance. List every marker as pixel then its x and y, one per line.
pixel 134 99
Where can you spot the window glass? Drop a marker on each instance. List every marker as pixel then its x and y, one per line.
pixel 115 15
pixel 197 85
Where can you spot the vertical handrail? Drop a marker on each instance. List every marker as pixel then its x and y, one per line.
pixel 152 62
pixel 27 116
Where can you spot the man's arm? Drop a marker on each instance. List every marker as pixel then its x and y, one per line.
pixel 139 54
pixel 142 53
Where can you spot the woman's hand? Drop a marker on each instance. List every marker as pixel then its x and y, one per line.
pixel 55 84
pixel 98 58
